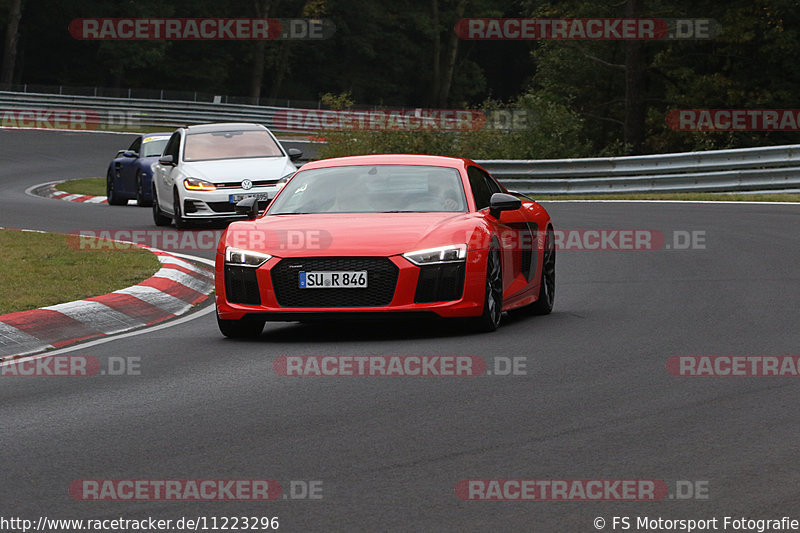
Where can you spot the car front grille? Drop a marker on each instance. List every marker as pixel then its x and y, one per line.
pixel 238 184
pixel 440 283
pixel 381 281
pixel 241 285
pixel 227 207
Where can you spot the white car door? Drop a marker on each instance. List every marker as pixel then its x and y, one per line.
pixel 164 175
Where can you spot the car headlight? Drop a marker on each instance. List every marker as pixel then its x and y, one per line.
pixel 281 182
pixel 442 254
pixel 194 184
pixel 238 257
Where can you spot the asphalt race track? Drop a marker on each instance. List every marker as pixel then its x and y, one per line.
pixel 596 403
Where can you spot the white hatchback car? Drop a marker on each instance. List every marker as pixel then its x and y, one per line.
pixel 206 169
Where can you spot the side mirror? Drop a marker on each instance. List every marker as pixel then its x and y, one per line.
pixel 166 160
pixel 129 153
pixel 295 154
pixel 247 207
pixel 501 201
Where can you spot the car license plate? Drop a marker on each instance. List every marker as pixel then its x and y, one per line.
pixel 333 280
pixel 262 197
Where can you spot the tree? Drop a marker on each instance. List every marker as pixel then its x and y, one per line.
pixel 10 45
pixel 635 66
pixel 262 8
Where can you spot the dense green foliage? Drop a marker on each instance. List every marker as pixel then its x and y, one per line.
pixel 395 54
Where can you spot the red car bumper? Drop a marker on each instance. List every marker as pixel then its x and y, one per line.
pixel 405 297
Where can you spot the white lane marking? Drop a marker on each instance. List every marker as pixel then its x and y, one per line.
pixel 97 316
pixel 103 340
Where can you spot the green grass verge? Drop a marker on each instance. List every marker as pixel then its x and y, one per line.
pixel 46 269
pixel 87 186
pixel 684 196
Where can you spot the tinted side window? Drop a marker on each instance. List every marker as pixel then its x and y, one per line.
pixel 173 146
pixel 480 188
pixel 136 145
pixel 493 185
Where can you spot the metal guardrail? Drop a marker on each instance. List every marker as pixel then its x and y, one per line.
pixel 106 113
pixel 767 168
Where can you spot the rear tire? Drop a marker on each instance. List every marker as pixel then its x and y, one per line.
pixel 159 217
pixel 547 287
pixel 111 196
pixel 493 299
pixel 141 201
pixel 240 329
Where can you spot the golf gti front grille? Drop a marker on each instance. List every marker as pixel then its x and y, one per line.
pixel 440 283
pixel 381 281
pixel 227 207
pixel 241 285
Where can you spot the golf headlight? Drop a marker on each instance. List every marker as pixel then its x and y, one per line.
pixel 443 254
pixel 281 182
pixel 235 256
pixel 194 184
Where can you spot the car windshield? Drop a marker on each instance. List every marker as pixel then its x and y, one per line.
pixel 230 145
pixel 154 148
pixel 372 189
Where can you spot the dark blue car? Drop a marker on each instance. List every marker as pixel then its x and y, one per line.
pixel 129 174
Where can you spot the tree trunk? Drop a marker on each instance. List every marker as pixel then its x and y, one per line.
pixel 10 45
pixel 437 52
pixel 452 53
pixel 257 71
pixel 282 65
pixel 634 86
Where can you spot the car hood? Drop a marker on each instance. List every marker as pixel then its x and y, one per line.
pixel 361 234
pixel 232 170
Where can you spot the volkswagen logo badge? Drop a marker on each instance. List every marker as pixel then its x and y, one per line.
pixel 247 184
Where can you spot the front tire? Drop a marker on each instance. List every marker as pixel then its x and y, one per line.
pixel 180 222
pixel 159 217
pixel 493 298
pixel 141 200
pixel 240 329
pixel 111 196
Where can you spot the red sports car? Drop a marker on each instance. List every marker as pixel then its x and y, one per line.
pixel 372 236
